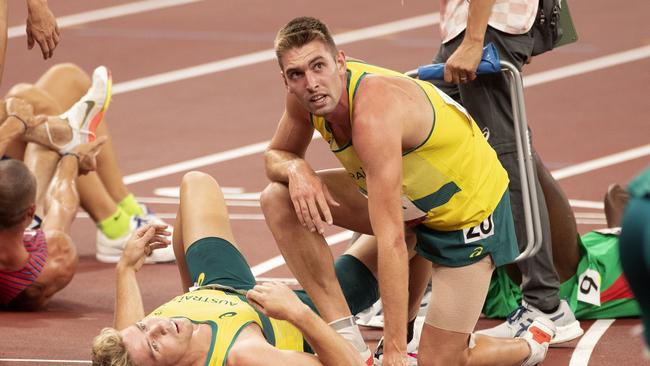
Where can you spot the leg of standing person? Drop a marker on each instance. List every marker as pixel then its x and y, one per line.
pixel 487 99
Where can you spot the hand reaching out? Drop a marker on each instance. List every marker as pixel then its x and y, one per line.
pixel 41 27
pixel 87 154
pixel 142 243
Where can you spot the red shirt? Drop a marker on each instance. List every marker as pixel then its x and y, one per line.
pixel 13 283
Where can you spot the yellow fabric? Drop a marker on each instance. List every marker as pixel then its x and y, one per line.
pixel 229 315
pixel 455 162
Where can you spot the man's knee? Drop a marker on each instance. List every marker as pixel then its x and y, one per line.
pixel 273 194
pixel 73 74
pixel 196 178
pixel 21 90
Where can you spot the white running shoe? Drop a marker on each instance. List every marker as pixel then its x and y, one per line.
pixel 538 336
pixel 567 327
pixel 110 250
pixel 85 115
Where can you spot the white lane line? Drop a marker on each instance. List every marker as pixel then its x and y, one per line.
pixel 105 13
pixel 269 54
pixel 277 261
pixel 587 66
pixel 196 163
pixel 587 204
pixel 32 360
pixel 605 161
pixel 585 347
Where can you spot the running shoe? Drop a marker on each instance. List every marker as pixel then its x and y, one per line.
pixel 85 115
pixel 110 250
pixel 567 327
pixel 538 335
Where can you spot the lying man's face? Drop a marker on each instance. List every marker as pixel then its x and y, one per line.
pixel 159 341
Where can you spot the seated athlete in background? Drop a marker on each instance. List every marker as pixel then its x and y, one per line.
pixel 592 280
pixel 217 323
pixel 36 263
pixel 103 193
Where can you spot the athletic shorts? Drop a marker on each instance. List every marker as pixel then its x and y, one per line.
pixel 214 260
pixel 598 289
pixel 495 236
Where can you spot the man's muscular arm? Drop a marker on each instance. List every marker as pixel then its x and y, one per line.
pixel 285 163
pixel 377 133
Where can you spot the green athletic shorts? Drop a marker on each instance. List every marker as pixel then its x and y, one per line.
pixel 219 262
pixel 494 236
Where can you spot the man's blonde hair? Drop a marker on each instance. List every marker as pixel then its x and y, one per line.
pixel 300 31
pixel 109 349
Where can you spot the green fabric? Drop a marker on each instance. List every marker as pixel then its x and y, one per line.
pixel 116 225
pixel 220 263
pixel 131 206
pixel 640 186
pixel 635 252
pixel 600 253
pixel 454 249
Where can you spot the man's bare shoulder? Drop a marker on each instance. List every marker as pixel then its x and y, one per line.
pixel 250 348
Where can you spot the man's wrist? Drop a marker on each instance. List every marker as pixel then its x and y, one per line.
pixel 18 121
pixel 123 267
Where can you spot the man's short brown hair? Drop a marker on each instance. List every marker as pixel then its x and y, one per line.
pixel 109 349
pixel 17 192
pixel 300 31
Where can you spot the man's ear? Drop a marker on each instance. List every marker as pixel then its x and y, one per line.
pixel 284 80
pixel 30 212
pixel 340 61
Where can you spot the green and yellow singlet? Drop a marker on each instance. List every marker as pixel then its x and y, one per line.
pixel 452 180
pixel 228 313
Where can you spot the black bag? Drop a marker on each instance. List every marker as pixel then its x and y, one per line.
pixel 546 30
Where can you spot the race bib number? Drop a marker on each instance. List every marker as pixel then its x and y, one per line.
pixel 589 287
pixel 480 231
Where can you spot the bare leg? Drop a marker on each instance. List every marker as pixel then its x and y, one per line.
pixel 307 253
pixel 42 163
pixel 107 168
pixel 365 250
pixel 457 298
pixel 56 91
pixel 564 233
pixel 442 347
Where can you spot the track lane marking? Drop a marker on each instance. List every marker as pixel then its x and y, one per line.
pixel 586 345
pixel 269 54
pixel 104 13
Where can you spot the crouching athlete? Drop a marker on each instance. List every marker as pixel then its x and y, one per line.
pixel 226 319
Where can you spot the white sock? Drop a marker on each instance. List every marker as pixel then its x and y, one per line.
pixel 349 330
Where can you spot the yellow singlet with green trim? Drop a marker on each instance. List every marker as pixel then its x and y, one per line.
pixel 228 313
pixel 452 180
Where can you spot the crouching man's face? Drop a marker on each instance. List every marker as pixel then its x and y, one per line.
pixel 159 341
